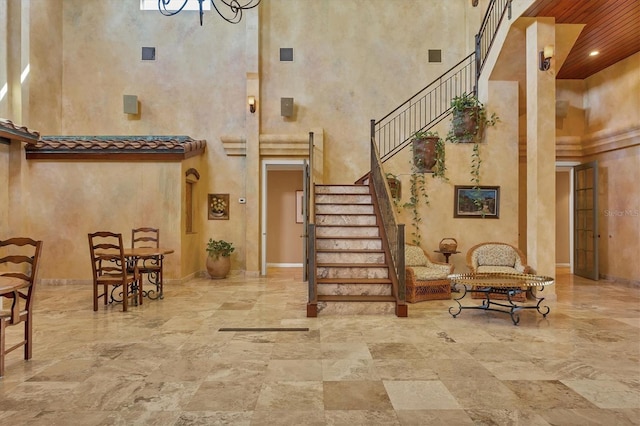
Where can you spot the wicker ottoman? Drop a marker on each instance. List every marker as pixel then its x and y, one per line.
pixel 418 291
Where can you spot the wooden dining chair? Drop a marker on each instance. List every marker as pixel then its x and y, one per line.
pixel 19 258
pixel 150 266
pixel 110 270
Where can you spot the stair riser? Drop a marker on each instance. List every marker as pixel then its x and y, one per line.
pixel 343 209
pixel 343 199
pixel 351 272
pixel 340 244
pixel 345 231
pixel 342 189
pixel 355 289
pixel 375 258
pixel 359 308
pixel 333 219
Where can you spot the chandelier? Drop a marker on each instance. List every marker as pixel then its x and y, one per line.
pixel 233 16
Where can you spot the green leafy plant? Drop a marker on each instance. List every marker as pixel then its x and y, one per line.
pixel 460 132
pixel 469 120
pixel 217 248
pixel 418 195
pixel 438 169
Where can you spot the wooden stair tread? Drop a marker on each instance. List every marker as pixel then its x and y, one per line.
pixel 352 265
pixel 345 214
pixel 355 298
pixel 353 281
pixel 350 251
pixel 348 237
pixel 346 225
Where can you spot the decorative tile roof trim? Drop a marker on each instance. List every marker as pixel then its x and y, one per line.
pixel 157 148
pixel 11 131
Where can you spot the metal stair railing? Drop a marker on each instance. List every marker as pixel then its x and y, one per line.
pixel 423 110
pixel 432 104
pixel 496 11
pixel 393 231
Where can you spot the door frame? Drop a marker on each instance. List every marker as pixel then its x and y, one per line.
pixel 567 166
pixel 272 164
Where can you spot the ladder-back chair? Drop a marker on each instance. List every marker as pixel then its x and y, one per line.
pixel 109 266
pixel 19 260
pixel 151 266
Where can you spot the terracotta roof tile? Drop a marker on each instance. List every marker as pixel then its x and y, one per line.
pixel 140 147
pixel 9 130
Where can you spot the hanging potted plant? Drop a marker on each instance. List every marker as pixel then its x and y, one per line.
pixel 427 148
pixel 418 195
pixel 395 186
pixel 469 119
pixel 468 123
pixel 218 258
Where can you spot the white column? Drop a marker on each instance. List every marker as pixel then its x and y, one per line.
pixel 541 145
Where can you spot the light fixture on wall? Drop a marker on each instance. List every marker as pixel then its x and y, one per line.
pixel 251 100
pixel 233 16
pixel 545 57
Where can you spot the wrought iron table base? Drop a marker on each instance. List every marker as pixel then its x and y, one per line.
pixel 116 297
pixel 154 279
pixel 512 308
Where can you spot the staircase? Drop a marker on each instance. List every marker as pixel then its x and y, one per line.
pixel 349 255
pixel 351 261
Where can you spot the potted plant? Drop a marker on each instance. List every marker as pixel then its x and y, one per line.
pixel 417 188
pixel 469 119
pixel 394 186
pixel 428 151
pixel 468 123
pixel 219 258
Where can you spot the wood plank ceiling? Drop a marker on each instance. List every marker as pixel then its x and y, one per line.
pixel 612 27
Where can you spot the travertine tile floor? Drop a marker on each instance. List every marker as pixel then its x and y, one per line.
pixel 168 363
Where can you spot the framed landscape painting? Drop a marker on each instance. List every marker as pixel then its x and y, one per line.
pixel 476 202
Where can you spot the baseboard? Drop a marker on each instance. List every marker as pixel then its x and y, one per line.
pixel 284 265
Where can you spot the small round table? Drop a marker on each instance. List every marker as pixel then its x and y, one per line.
pixel 498 283
pixel 446 254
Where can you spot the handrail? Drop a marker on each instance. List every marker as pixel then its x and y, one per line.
pixel 309 251
pixel 393 231
pixel 432 104
pixel 425 109
pixel 489 29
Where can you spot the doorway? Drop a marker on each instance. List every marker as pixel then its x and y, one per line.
pixel 281 242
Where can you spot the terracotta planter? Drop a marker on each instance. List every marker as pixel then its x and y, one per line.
pixel 424 154
pixel 394 187
pixel 465 125
pixel 218 268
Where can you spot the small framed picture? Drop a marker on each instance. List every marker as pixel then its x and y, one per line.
pixel 299 206
pixel 476 202
pixel 218 206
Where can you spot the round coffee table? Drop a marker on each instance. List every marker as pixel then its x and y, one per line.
pixel 491 284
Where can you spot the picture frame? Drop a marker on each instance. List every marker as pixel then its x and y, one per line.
pixel 218 206
pixel 299 206
pixel 465 204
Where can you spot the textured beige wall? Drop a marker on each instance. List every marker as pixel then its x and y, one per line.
pixel 619 213
pixel 613 119
pixel 68 200
pixel 45 76
pixel 354 61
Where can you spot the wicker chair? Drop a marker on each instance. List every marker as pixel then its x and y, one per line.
pixel 498 257
pixel 425 278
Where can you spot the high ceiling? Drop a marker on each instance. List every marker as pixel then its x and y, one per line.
pixel 612 27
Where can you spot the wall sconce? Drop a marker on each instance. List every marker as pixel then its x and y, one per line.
pixel 545 57
pixel 251 100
